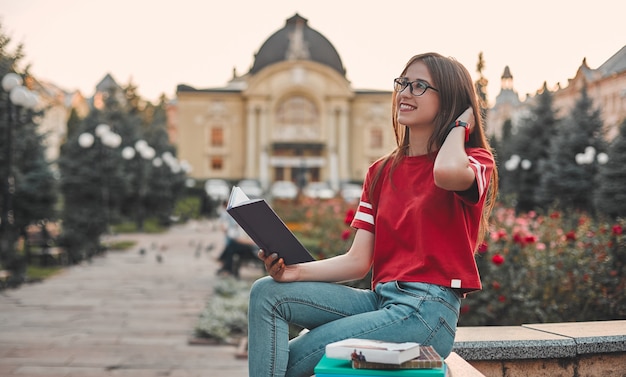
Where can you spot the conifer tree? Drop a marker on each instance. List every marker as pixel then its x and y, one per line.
pixel 610 196
pixel 531 145
pixel 569 174
pixel 481 87
pixel 92 180
pixel 167 179
pixel 32 196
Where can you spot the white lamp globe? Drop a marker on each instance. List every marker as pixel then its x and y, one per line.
pixel 128 153
pixel 10 81
pixel 85 140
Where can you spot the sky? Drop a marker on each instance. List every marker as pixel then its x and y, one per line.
pixel 158 45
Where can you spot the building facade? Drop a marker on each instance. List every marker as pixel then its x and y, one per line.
pixel 606 86
pixel 294 116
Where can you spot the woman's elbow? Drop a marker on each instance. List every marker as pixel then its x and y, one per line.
pixel 453 177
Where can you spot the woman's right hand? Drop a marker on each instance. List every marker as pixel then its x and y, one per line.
pixel 277 268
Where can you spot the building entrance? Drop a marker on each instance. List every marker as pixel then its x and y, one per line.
pixel 298 162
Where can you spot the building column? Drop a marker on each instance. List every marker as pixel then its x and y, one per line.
pixel 264 148
pixel 333 165
pixel 344 143
pixel 251 140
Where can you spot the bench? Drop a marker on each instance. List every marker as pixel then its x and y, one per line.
pixel 4 278
pixel 39 243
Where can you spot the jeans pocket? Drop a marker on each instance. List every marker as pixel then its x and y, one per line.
pixel 442 337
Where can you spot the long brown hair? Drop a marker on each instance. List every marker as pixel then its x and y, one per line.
pixel 456 93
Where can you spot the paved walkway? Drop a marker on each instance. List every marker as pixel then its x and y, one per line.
pixel 123 314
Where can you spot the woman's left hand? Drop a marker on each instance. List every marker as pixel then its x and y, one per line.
pixel 277 268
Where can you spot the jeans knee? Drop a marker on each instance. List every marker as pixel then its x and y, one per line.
pixel 260 290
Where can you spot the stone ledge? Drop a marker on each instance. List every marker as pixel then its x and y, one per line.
pixel 590 337
pixel 550 349
pixel 540 341
pixel 510 342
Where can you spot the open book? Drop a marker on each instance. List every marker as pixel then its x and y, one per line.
pixel 265 228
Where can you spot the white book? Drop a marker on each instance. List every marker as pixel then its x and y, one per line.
pixel 373 351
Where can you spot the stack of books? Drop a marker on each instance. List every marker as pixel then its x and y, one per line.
pixel 360 357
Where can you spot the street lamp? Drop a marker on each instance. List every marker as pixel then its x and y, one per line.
pixel 109 139
pixel 516 161
pixel 147 153
pixel 589 156
pixel 19 98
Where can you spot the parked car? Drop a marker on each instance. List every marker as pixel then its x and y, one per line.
pixel 318 190
pixel 217 189
pixel 283 190
pixel 351 192
pixel 251 187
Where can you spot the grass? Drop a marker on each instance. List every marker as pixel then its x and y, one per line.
pixel 35 272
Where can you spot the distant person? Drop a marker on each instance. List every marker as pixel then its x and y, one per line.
pixel 422 214
pixel 237 244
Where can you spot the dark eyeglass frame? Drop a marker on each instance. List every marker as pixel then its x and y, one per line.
pixel 400 83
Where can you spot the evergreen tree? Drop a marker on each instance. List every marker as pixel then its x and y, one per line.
pixel 92 179
pixel 73 123
pixel 569 173
pixel 481 87
pixel 155 180
pixel 167 179
pixel 35 187
pixel 31 195
pixel 503 149
pixel 610 196
pixel 531 146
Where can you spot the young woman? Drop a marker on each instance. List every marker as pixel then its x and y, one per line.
pixel 423 211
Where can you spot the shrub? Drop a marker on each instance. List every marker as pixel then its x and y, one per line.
pixel 226 313
pixel 553 268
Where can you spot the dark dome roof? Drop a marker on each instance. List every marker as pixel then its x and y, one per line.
pixel 297 41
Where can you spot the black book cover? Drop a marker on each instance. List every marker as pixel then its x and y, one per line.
pixel 265 228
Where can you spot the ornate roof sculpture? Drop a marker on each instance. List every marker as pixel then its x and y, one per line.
pixel 297 41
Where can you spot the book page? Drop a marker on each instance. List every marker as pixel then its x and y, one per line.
pixel 237 196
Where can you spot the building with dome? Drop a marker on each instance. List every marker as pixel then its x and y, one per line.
pixel 293 116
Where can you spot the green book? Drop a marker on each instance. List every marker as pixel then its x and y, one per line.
pixel 343 368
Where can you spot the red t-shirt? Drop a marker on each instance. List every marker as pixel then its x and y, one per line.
pixel 422 232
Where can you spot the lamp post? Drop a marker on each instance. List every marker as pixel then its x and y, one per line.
pixel 589 156
pixel 147 153
pixel 108 139
pixel 516 161
pixel 19 99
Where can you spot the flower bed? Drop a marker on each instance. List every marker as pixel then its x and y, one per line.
pixel 554 268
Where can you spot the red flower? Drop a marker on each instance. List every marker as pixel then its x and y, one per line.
pixel 349 217
pixel 501 298
pixel 517 238
pixel 530 239
pixel 570 236
pixel 483 248
pixel 497 259
pixel 345 234
pixel 617 230
pixel 495 285
pixel 555 215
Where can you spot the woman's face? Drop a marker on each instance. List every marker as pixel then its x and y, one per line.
pixel 417 111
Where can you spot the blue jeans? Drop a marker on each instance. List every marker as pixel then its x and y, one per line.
pixel 394 312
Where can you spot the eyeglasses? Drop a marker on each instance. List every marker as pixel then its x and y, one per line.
pixel 417 87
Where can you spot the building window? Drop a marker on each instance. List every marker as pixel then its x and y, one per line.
pixel 217 163
pixel 376 138
pixel 297 119
pixel 217 137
